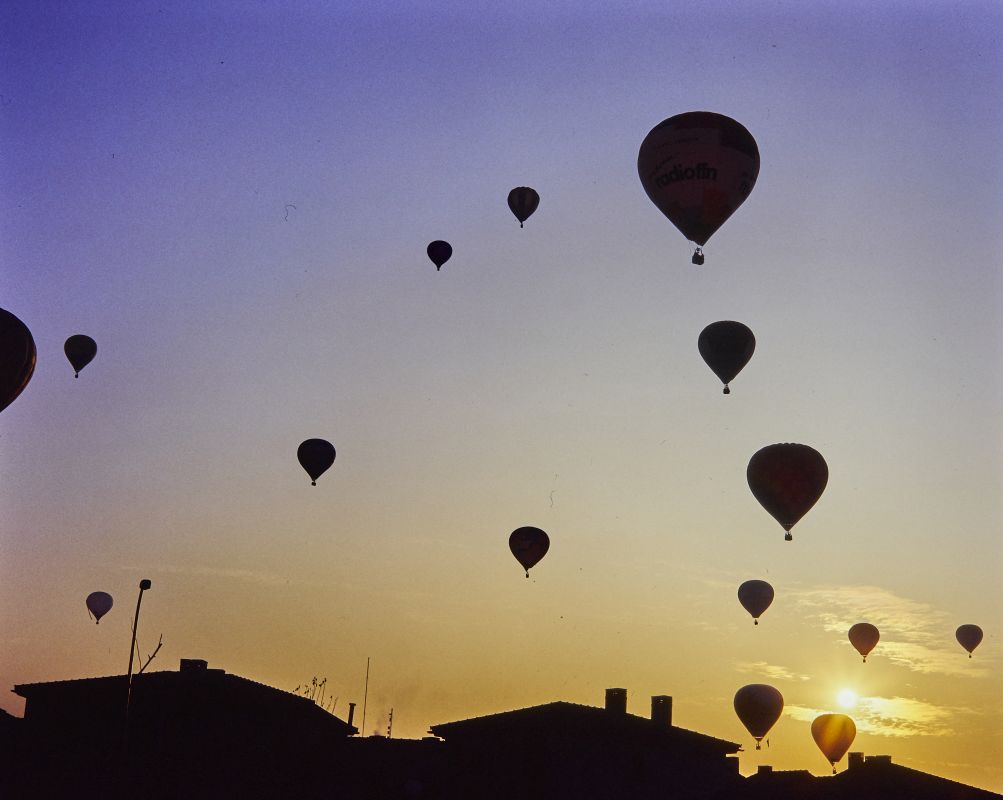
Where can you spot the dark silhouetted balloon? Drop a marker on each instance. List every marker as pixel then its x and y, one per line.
pixel 787 480
pixel 99 604
pixel 80 350
pixel 969 637
pixel 833 733
pixel 17 357
pixel 698 168
pixel 726 347
pixel 863 636
pixel 528 545
pixel 439 251
pixel 759 706
pixel 315 456
pixel 755 597
pixel 523 202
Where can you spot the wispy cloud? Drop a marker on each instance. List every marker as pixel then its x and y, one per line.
pixel 892 716
pixel 766 670
pixel 913 634
pixel 205 571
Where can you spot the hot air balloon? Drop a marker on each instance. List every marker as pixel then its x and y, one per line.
pixel 17 357
pixel 80 350
pixel 787 480
pixel 528 545
pixel 698 168
pixel 439 251
pixel 755 597
pixel 864 636
pixel 759 707
pixel 315 456
pixel 833 733
pixel 726 347
pixel 99 604
pixel 969 636
pixel 523 202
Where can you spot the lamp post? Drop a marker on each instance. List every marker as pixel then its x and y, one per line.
pixel 143 586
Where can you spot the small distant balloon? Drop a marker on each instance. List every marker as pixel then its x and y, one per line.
pixel 99 604
pixel 726 346
pixel 755 597
pixel 864 637
pixel 528 545
pixel 439 252
pixel 969 637
pixel 315 456
pixel 833 733
pixel 787 480
pixel 758 706
pixel 80 350
pixel 698 168
pixel 523 201
pixel 17 357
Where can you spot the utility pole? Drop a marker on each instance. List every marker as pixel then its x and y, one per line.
pixel 390 723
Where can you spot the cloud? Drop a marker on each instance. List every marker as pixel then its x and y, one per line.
pixel 893 716
pixel 914 635
pixel 773 671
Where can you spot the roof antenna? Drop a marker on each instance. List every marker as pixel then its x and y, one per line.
pixel 365 697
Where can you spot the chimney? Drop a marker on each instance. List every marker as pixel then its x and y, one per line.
pixel 764 769
pixel 854 760
pixel 661 710
pixel 193 665
pixel 616 701
pixel 351 712
pixel 879 759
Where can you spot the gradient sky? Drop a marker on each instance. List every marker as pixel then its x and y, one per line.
pixel 234 200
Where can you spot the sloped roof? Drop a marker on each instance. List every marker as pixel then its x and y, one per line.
pixel 167 678
pixel 572 718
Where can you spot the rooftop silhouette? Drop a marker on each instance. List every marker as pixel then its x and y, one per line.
pixel 201 732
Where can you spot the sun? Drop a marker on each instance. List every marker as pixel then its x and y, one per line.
pixel 847 698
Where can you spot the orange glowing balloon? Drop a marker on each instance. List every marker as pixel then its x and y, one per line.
pixel 864 636
pixel 833 733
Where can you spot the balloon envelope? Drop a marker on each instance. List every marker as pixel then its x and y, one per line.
pixel 864 636
pixel 969 637
pixel 439 251
pixel 698 168
pixel 523 202
pixel 787 480
pixel 528 545
pixel 726 346
pixel 80 350
pixel 755 597
pixel 833 733
pixel 315 456
pixel 99 604
pixel 17 357
pixel 758 706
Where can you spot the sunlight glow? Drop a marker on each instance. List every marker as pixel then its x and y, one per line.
pixel 847 698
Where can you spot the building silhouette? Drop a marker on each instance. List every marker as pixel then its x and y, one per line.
pixel 197 732
pixel 202 733
pixel 566 750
